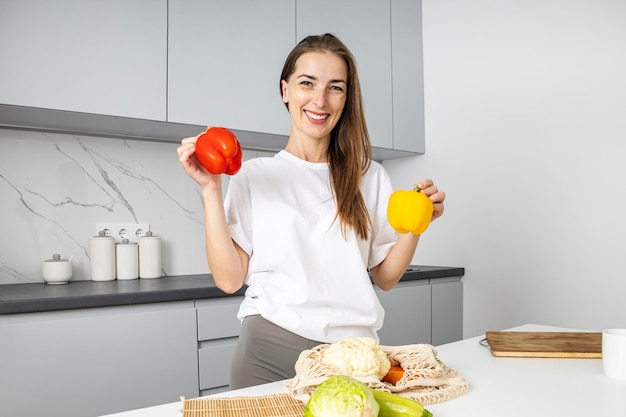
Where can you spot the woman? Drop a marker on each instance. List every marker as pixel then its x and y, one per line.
pixel 303 228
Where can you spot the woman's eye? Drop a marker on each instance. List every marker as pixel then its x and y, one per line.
pixel 306 83
pixel 336 88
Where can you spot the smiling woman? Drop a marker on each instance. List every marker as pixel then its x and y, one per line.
pixel 305 228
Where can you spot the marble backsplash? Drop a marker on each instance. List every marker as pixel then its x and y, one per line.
pixel 55 188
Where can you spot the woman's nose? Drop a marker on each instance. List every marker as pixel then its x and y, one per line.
pixel 320 97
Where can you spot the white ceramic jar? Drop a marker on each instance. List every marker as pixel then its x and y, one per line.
pixel 149 256
pixel 126 260
pixel 102 253
pixel 56 270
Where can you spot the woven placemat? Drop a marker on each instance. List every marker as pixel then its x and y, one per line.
pixel 276 405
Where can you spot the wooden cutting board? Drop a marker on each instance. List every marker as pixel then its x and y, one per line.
pixel 546 344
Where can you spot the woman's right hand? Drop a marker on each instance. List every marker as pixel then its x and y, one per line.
pixel 192 166
pixel 227 261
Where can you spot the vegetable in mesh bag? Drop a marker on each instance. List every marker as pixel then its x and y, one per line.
pixel 356 356
pixel 341 396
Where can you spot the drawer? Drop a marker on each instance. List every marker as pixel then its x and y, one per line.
pixel 217 318
pixel 214 363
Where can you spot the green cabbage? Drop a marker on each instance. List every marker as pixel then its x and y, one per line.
pixel 341 396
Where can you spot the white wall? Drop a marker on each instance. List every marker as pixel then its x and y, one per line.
pixel 526 132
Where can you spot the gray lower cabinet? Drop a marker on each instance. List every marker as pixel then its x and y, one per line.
pixel 407 313
pixel 447 310
pixel 422 311
pixel 91 362
pixel 96 361
pixel 218 330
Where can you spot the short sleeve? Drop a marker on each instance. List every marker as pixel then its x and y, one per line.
pixel 376 190
pixel 237 206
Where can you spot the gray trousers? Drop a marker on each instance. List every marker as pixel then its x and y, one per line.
pixel 265 353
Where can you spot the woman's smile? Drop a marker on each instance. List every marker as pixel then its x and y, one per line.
pixel 316 118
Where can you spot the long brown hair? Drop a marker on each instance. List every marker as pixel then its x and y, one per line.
pixel 350 149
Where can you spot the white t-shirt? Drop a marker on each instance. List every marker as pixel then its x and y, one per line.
pixel 303 275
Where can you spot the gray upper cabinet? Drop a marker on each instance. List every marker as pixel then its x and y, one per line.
pixel 106 57
pixel 386 40
pixel 408 75
pixel 225 60
pixel 365 28
pixel 163 70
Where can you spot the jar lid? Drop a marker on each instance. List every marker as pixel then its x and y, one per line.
pixel 149 235
pixel 56 258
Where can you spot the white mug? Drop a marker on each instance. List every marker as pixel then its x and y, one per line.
pixel 614 353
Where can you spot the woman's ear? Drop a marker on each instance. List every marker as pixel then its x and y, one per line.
pixel 283 86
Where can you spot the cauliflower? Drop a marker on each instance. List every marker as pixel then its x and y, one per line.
pixel 356 356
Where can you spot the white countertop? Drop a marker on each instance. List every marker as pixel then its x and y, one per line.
pixel 512 387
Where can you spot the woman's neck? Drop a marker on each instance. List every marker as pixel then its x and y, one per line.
pixel 309 150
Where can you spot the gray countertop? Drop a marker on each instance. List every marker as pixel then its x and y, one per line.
pixel 36 297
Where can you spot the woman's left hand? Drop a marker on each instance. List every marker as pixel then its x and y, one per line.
pixel 428 187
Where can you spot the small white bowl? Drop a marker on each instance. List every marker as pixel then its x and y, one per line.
pixel 57 270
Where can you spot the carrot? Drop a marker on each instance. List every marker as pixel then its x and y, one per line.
pixel 394 375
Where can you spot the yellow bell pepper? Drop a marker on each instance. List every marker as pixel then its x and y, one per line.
pixel 409 211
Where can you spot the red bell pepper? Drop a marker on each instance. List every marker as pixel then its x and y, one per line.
pixel 219 151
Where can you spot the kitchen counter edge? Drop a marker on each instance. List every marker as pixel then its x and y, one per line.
pixel 39 297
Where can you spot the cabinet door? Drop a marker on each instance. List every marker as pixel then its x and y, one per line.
pixel 408 75
pixel 97 361
pixel 447 299
pixel 407 313
pixel 106 57
pixel 365 28
pixel 225 60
